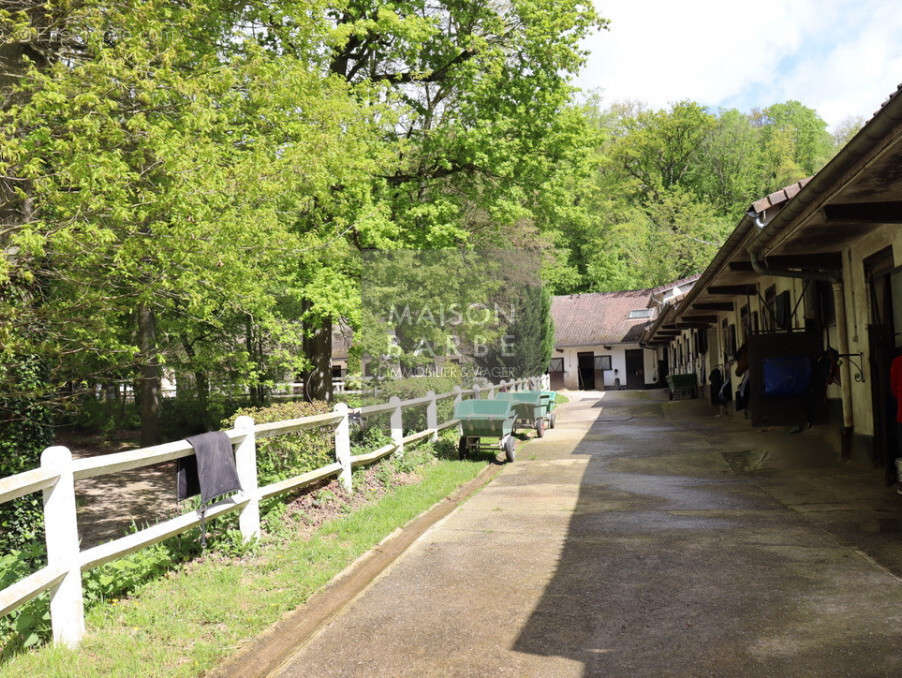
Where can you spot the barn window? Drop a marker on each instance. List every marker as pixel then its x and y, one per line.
pixel 603 362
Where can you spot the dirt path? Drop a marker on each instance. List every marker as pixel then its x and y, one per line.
pixel 108 505
pixel 626 543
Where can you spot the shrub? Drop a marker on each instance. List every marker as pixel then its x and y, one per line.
pixel 290 454
pixel 95 415
pixel 417 387
pixel 26 428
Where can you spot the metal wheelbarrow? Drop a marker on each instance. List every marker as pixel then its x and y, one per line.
pixel 530 406
pixel 485 419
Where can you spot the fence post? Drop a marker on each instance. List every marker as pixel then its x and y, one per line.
pixel 432 415
pixel 246 465
pixel 343 447
pixel 397 424
pixel 458 395
pixel 475 391
pixel 67 611
pixel 491 391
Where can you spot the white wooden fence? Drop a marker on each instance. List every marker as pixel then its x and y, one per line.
pixel 58 473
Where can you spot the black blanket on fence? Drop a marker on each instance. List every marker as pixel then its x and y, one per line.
pixel 211 472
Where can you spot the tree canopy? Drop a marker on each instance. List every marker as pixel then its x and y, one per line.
pixel 659 190
pixel 195 196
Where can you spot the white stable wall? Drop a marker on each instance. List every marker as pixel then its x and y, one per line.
pixel 618 363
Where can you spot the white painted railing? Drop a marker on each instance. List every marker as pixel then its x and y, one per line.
pixel 58 472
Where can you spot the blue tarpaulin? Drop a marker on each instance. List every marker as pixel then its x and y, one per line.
pixel 790 376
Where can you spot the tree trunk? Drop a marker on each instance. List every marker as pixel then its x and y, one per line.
pixel 318 350
pixel 150 377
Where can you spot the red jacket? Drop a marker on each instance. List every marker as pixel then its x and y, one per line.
pixel 895 384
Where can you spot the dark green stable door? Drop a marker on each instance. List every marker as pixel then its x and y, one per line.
pixel 635 368
pixel 585 361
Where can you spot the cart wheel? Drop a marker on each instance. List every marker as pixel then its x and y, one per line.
pixel 551 420
pixel 462 448
pixel 509 448
pixel 540 427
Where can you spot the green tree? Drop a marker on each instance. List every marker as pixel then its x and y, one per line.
pixel 729 173
pixel 180 197
pixel 799 132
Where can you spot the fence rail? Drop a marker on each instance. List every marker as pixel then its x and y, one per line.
pixel 58 472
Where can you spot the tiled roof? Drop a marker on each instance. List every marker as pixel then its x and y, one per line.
pixel 779 197
pixel 888 100
pixel 598 318
pixel 675 283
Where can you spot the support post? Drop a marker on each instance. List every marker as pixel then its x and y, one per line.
pixel 397 424
pixel 458 395
pixel 491 391
pixel 432 415
pixel 848 418
pixel 343 448
pixel 246 465
pixel 67 612
pixel 475 391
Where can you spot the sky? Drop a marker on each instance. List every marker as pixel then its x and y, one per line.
pixel 842 58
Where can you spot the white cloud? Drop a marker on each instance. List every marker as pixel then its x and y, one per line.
pixel 840 57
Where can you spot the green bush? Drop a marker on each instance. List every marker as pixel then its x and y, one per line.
pixel 26 428
pixel 99 415
pixel 416 387
pixel 290 454
pixel 185 415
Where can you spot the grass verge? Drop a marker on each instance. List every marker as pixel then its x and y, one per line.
pixel 560 398
pixel 189 620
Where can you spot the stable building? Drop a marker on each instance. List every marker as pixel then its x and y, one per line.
pixel 597 335
pixel 810 284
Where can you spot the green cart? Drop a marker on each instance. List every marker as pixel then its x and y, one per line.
pixel 682 385
pixel 550 400
pixel 485 419
pixel 531 408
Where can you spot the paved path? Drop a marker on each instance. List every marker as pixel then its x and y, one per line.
pixel 641 538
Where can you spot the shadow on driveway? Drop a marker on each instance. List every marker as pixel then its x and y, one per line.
pixel 675 564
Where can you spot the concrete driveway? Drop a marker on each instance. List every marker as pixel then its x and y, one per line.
pixel 642 538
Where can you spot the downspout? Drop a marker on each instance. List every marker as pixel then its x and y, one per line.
pixel 848 419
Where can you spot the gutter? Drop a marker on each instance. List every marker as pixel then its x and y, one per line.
pixel 800 274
